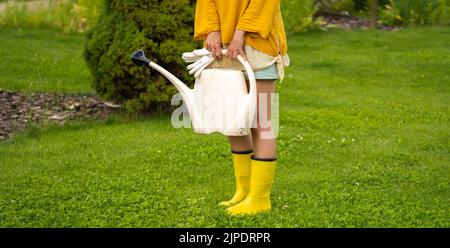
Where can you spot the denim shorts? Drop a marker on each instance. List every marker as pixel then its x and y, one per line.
pixel 270 73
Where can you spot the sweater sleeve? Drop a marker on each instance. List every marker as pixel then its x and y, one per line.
pixel 206 18
pixel 258 17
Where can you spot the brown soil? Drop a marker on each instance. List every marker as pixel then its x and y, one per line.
pixel 19 109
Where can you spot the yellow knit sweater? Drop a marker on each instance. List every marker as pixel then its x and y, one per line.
pixel 261 19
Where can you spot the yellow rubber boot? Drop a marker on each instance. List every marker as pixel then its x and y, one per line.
pixel 241 164
pixel 258 199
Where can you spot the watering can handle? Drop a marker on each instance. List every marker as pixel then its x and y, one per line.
pixel 248 69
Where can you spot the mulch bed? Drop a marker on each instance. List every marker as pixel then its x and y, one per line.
pixel 19 109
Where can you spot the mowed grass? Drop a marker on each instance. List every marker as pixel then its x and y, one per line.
pixel 363 142
pixel 42 60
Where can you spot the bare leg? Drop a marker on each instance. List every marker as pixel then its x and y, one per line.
pixel 264 144
pixel 240 143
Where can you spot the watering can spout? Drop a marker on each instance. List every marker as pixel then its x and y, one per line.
pixel 139 59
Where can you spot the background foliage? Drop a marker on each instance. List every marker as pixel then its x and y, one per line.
pixel 298 15
pixel 68 15
pixel 416 12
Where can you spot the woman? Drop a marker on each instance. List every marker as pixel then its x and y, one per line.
pixel 253 29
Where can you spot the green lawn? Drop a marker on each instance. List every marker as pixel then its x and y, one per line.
pixel 364 142
pixel 42 60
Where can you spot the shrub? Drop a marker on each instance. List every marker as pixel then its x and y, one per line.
pixel 414 12
pixel 298 15
pixel 444 13
pixel 164 29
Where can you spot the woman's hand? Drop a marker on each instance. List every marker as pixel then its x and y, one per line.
pixel 236 46
pixel 214 43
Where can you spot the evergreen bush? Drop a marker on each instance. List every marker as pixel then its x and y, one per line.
pixel 163 29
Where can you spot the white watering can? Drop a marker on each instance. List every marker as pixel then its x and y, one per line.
pixel 219 101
